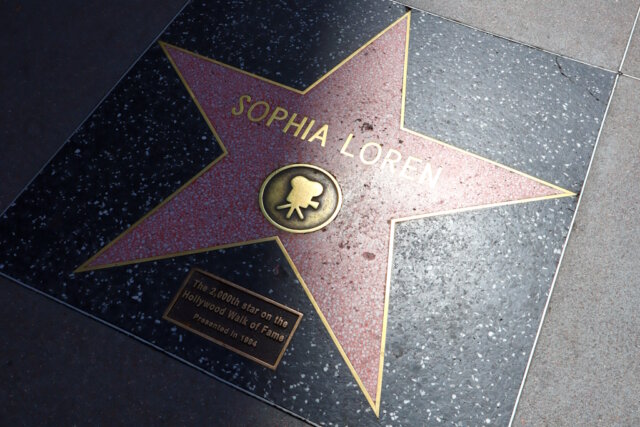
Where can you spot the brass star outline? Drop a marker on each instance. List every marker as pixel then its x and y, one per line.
pixel 375 404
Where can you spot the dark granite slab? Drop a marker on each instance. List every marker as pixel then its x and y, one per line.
pixel 467 289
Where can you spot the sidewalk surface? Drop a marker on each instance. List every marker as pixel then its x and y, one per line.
pixel 61 59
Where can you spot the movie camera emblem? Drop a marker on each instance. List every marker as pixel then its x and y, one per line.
pixel 300 198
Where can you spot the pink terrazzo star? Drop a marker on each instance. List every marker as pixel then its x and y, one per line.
pixel 344 265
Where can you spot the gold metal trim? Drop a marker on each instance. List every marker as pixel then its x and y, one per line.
pixel 291 230
pixel 165 316
pixel 374 405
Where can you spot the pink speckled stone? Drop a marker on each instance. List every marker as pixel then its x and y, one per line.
pixel 345 264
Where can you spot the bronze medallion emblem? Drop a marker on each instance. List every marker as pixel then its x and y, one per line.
pixel 300 198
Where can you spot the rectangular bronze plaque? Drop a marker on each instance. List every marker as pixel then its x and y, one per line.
pixel 234 317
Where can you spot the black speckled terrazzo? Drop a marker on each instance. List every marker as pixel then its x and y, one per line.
pixel 465 310
pixel 536 112
pixel 467 289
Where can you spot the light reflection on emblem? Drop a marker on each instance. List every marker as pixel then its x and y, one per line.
pixel 306 190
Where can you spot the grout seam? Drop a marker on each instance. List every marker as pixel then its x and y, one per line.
pixel 630 76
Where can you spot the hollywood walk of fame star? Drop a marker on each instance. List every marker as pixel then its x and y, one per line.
pixel 386 173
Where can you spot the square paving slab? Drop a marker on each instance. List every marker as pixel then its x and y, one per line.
pixel 353 213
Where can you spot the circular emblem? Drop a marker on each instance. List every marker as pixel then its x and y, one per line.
pixel 300 198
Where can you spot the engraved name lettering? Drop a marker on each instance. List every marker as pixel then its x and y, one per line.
pixel 369 153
